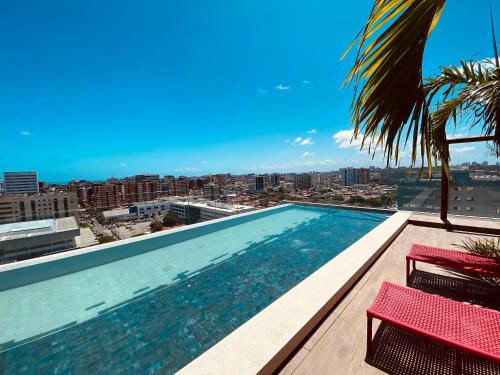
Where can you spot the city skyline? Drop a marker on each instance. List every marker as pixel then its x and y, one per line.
pixel 173 90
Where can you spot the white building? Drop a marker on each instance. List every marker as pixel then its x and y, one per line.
pixel 20 182
pixel 197 210
pixel 139 211
pixel 150 210
pixel 19 241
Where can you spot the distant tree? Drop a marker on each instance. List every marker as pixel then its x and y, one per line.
pixel 171 220
pixel 338 197
pixel 105 239
pixel 357 199
pixel 374 202
pixel 156 226
pixel 388 199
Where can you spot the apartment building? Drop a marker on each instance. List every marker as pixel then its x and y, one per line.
pixel 355 176
pixel 21 182
pixel 211 192
pixel 275 179
pixel 256 183
pixel 148 187
pixel 303 181
pixel 18 208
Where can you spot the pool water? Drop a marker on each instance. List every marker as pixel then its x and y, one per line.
pixel 157 311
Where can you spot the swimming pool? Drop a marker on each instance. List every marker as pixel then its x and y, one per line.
pixel 177 296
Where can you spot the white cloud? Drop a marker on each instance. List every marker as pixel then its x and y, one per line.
pixel 262 91
pixel 25 133
pixel 457 135
pixel 464 150
pixel 282 87
pixel 204 162
pixel 123 164
pixel 306 142
pixel 312 131
pixel 303 141
pixel 287 141
pixel 307 154
pixel 343 139
pixel 306 82
pixel 187 169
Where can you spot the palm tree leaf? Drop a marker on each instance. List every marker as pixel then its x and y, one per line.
pixel 387 76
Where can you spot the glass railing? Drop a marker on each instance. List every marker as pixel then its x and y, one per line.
pixel 469 194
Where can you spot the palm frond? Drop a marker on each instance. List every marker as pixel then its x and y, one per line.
pixel 470 91
pixel 387 76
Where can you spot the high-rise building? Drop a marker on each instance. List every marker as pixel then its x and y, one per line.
pixel 303 181
pixel 256 182
pixel 363 176
pixel 348 176
pixel 21 182
pixel 275 180
pixel 211 192
pixel 148 186
pixel 353 176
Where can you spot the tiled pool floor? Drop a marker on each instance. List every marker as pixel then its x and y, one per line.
pixel 157 311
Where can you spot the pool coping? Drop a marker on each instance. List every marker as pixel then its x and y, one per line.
pixel 345 207
pixel 260 345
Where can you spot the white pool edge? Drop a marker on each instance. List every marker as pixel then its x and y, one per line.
pixel 261 344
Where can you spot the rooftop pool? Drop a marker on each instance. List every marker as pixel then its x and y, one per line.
pixel 153 305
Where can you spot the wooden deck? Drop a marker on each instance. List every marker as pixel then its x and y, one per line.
pixel 338 345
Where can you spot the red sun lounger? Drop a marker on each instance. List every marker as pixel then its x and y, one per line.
pixel 457 260
pixel 467 328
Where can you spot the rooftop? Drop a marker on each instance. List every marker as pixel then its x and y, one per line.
pixel 232 208
pixel 36 228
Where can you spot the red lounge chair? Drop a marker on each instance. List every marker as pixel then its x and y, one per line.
pixel 457 260
pixel 467 328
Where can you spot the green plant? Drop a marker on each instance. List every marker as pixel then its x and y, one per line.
pixel 171 220
pixel 356 199
pixel 105 239
pixel 156 226
pixel 488 247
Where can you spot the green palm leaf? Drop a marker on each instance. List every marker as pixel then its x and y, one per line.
pixel 389 92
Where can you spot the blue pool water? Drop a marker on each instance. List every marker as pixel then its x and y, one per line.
pixel 158 310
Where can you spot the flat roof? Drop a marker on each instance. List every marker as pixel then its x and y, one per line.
pixel 116 212
pixel 225 208
pixel 36 228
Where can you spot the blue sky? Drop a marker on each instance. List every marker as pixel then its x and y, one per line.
pixel 93 89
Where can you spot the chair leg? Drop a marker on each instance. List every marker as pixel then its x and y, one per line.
pixel 369 343
pixel 407 271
